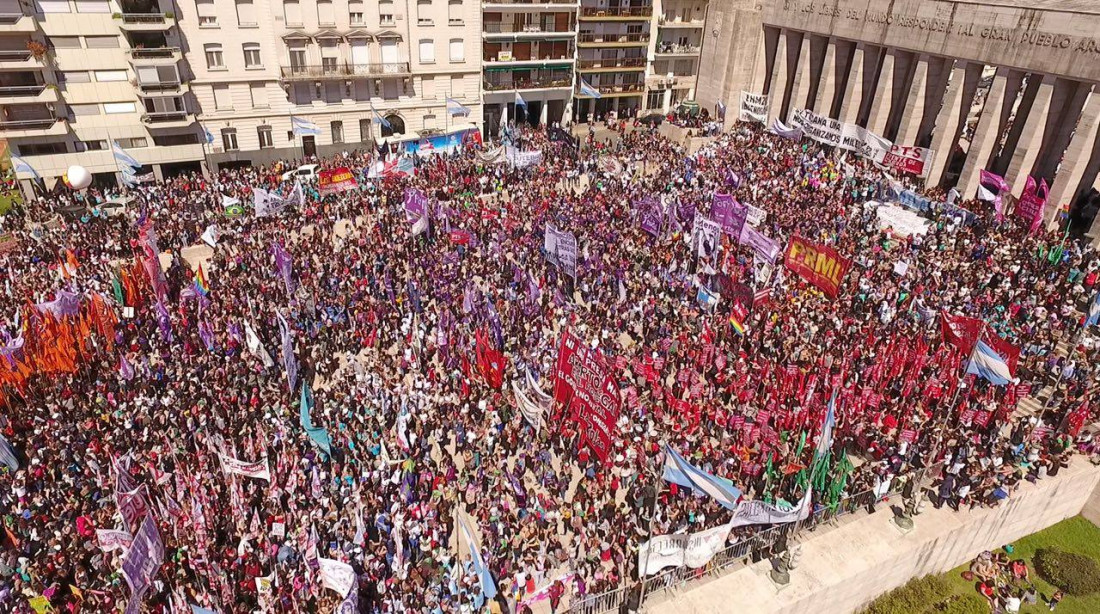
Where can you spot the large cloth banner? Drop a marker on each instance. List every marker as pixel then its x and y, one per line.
pixel 523 159
pixel 110 539
pixel 754 107
pixel 150 258
pixel 731 214
pixel 336 180
pixel 694 550
pixel 258 470
pixel 586 384
pixel 908 159
pixel 530 410
pixel 338 576
pixel 268 203
pixel 788 132
pixel 764 246
pixel 561 249
pixel 863 142
pixel 651 214
pixel 756 215
pixel 818 127
pixel 144 558
pixel 758 512
pixel 706 237
pixel 818 264
pixel 1032 202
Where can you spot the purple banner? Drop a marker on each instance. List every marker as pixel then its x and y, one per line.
pixel 285 265
pixel 1032 202
pixel 781 129
pixel 416 204
pixel 64 304
pixel 144 558
pixel 290 362
pixel 650 214
pixel 729 213
pixel 765 246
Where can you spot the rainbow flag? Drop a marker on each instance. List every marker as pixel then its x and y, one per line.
pixel 200 283
pixel 738 315
pixel 738 327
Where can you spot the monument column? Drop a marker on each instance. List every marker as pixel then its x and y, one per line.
pixel 986 135
pixel 913 112
pixel 800 87
pixel 853 88
pixel 1076 159
pixel 826 88
pixel 1031 139
pixel 884 90
pixel 950 120
pixel 778 81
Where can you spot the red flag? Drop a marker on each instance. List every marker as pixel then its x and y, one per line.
pixel 961 331
pixel 490 361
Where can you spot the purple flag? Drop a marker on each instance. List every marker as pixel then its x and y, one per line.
pixel 729 213
pixel 766 247
pixel 650 213
pixel 416 204
pixel 206 334
pixel 285 265
pixel 290 362
pixel 144 558
pixel 12 350
pixel 124 368
pixel 150 257
pixel 164 322
pixel 64 304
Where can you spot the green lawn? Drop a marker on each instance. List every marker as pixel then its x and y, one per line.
pixel 6 201
pixel 1075 535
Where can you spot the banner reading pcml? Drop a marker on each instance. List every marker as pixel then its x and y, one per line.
pixel 587 386
pixel 818 264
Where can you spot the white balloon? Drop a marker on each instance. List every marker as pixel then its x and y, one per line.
pixel 79 177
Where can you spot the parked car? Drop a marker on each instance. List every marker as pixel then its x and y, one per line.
pixel 306 173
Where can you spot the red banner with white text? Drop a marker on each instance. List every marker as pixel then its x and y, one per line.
pixel 586 384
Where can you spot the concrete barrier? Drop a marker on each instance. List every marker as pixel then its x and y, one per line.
pixel 847 567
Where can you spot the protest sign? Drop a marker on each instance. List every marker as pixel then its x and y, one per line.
pixel 759 512
pixel 818 264
pixel 587 386
pixel 694 550
pixel 144 558
pixel 908 159
pixel 754 107
pixel 336 180
pixel 729 213
pixel 256 469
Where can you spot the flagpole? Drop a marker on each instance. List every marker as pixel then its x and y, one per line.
pixel 649 539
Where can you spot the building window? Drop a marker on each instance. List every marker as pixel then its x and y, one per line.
pixel 655 99
pixel 73 76
pixel 454 12
pixel 364 129
pixel 84 109
pixel 91 145
pixel 292 13
pixel 115 108
pixel 93 6
pixel 51 6
pixel 107 76
pixel 208 15
pixel 326 15
pixel 134 143
pixel 385 12
pixel 214 59
pixel 229 139
pixel 458 50
pixel 259 95
pixel 427 51
pixel 297 58
pixel 423 12
pixel 246 13
pixel 64 42
pixel 42 149
pixel 222 100
pixel 429 122
pixel 337 129
pixel 264 134
pixel 355 12
pixel 252 56
pixel 101 42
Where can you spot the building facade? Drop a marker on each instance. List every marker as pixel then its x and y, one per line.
pixel 203 84
pixel 1008 86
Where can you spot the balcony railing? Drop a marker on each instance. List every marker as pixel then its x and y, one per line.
pixel 612 63
pixel 144 19
pixel 28 124
pixel 529 1
pixel 159 86
pixel 493 85
pixel 496 27
pixel 625 11
pixel 343 71
pixel 165 117
pixel 624 88
pixel 10 19
pixel 15 56
pixel 21 91
pixel 675 21
pixel 670 49
pixel 604 37
pixel 154 53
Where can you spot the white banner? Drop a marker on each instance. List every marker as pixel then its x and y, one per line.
pixel 338 576
pixel 523 159
pixel 864 142
pixel 758 512
pixel 754 107
pixel 530 410
pixel 110 539
pixel 818 127
pixel 270 203
pixel 258 469
pixel 755 216
pixel 694 550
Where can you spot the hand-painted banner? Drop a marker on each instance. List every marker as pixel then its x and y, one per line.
pixel 818 264
pixel 586 384
pixel 144 558
pixel 908 159
pixel 758 512
pixel 706 237
pixel 763 245
pixel 336 180
pixel 1032 202
pixel 257 470
pixel 731 214
pixel 561 249
pixel 754 107
pixel 864 142
pixel 818 127
pixel 694 550
pixel 756 215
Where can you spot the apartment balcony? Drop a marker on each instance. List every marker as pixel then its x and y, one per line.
pixel 676 22
pixel 20 60
pixel 616 91
pixel 168 119
pixel 345 71
pixel 611 65
pixel 146 22
pixel 529 5
pixel 47 126
pixel 154 56
pixel 498 31
pixel 540 82
pixel 18 22
pixel 25 94
pixel 670 50
pixel 626 13
pixel 162 88
pixel 602 39
pixel 675 82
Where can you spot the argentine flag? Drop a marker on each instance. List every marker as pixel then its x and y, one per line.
pixel 378 119
pixel 485 578
pixel 123 158
pixel 22 166
pixel 826 440
pixel 678 471
pixel 520 102
pixel 455 107
pixel 588 90
pixel 209 137
pixel 1092 317
pixel 303 126
pixel 986 362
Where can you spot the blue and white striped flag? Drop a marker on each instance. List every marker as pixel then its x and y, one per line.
pixel 378 119
pixel 588 90
pixel 825 442
pixel 986 362
pixel 123 158
pixel 679 471
pixel 520 102
pixel 1092 317
pixel 455 107
pixel 303 126
pixel 22 166
pixel 8 457
pixel 208 135
pixel 488 587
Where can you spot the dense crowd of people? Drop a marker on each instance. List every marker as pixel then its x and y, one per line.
pixel 385 322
